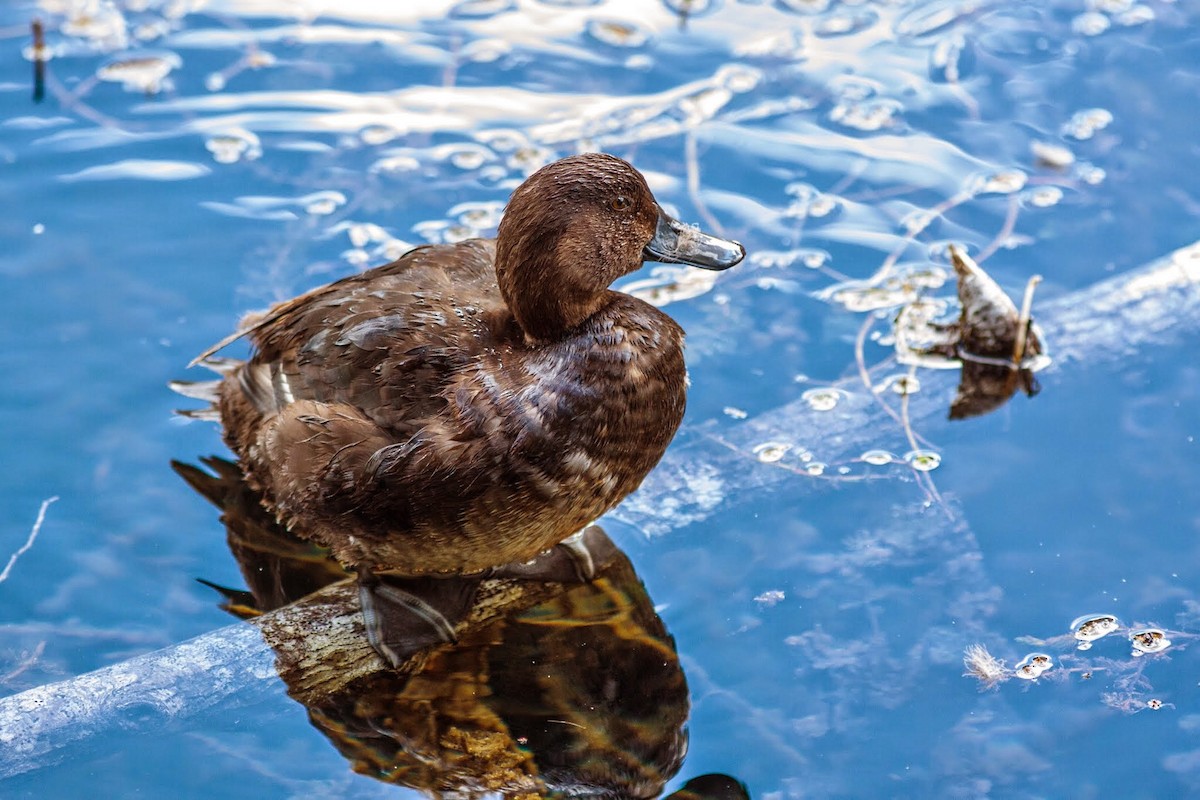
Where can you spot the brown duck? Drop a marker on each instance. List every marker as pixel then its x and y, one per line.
pixel 470 405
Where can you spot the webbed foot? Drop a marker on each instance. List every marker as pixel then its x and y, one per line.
pixel 403 615
pixel 576 559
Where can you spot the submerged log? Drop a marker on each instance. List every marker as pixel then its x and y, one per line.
pixel 1152 306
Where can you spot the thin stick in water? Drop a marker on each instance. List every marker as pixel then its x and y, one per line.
pixel 37 526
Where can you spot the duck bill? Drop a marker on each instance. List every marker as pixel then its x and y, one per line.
pixel 676 243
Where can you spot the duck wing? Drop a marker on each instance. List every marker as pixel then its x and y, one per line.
pixel 386 342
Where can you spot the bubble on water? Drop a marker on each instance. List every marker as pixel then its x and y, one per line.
pixel 903 384
pixel 233 145
pixel 1090 23
pixel 639 62
pixel 260 59
pixel 804 6
pixel 140 73
pixel 379 134
pixel 951 59
pixel 903 287
pixel 770 452
pixel 923 460
pixel 102 24
pixel 1032 666
pixel 149 31
pixel 1000 182
pixel 1091 627
pixel 787 45
pixel 1044 197
pixel 529 159
pixel 356 257
pixel 669 283
pixel 815 468
pixel 813 258
pixel 1052 155
pixel 1137 15
pixel 395 165
pixel 321 204
pixel 1148 640
pixel 867 115
pixel 845 24
pixel 1110 6
pixel 486 51
pixel 481 215
pixel 738 78
pixel 363 233
pixel 1091 174
pixel 481 9
pixel 616 33
pixel 502 140
pixel 392 249
pixel 823 398
pixel 1084 124
pixel 467 159
pixel 215 82
pixel 878 458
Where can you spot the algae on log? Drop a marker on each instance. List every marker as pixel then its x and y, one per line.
pixel 1151 306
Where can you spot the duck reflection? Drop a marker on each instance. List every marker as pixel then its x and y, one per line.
pixel 552 687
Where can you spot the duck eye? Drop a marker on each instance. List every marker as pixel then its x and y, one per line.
pixel 621 203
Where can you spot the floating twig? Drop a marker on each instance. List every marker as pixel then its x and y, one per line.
pixel 37 526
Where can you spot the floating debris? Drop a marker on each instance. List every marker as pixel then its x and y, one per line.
pixel 616 33
pixel 903 384
pixel 234 145
pixel 141 73
pixel 770 452
pixel 823 398
pixel 923 460
pixel 668 283
pixel 878 458
pixel 1033 666
pixel 1053 156
pixel 983 666
pixel 998 347
pixel 1091 627
pixel 1154 704
pixel 1147 641
pixel 1084 124
pixel 770 598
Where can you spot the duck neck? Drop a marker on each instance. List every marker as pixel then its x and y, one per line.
pixel 535 286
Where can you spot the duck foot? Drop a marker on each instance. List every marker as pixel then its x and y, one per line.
pixel 576 559
pixel 405 615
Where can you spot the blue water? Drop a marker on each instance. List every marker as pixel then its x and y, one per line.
pixel 821 623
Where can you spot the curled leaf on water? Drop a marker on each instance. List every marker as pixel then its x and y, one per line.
pixel 998 346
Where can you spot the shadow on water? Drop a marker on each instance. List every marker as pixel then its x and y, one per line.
pixel 550 689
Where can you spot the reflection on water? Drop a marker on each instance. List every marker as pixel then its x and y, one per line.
pixel 549 688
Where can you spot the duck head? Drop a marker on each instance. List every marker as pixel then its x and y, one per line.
pixel 577 225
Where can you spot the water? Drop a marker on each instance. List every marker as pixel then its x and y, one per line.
pixel 195 160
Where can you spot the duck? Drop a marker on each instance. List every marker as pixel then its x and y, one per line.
pixel 474 404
